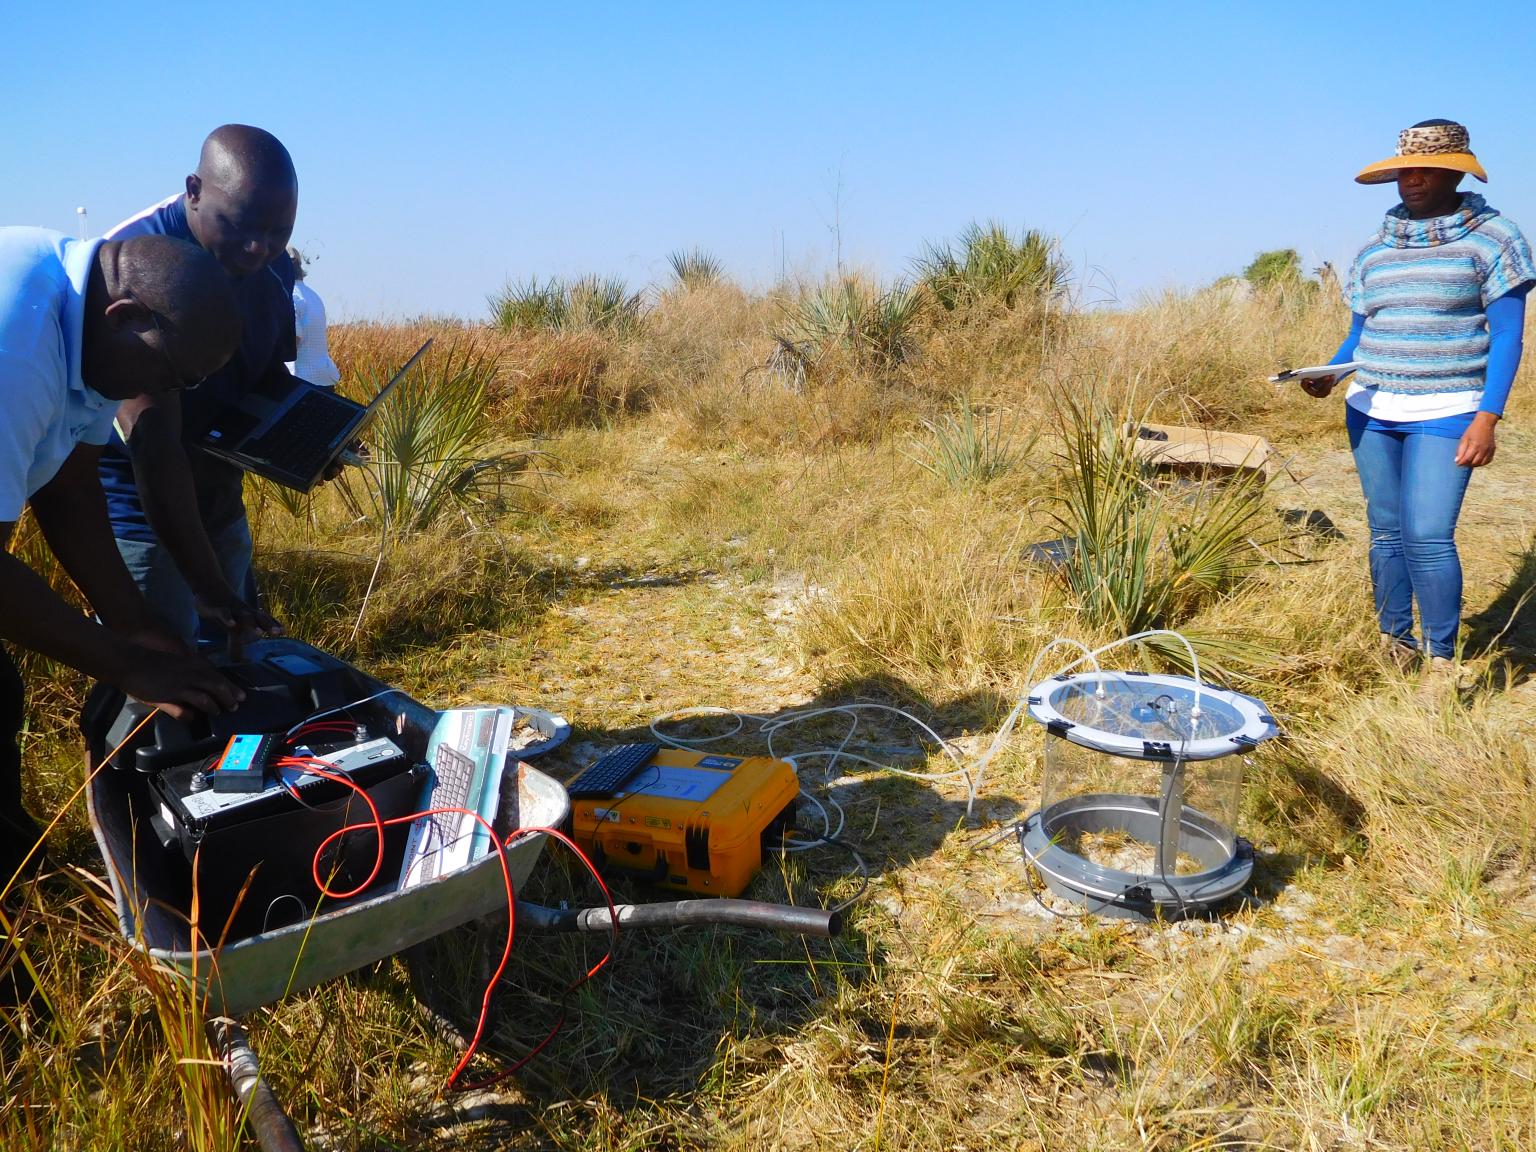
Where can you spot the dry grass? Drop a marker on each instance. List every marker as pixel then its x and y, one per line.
pixel 715 531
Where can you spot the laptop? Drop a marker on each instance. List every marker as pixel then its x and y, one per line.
pixel 295 436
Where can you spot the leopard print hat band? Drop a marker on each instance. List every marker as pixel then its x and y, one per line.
pixel 1432 139
pixel 1438 144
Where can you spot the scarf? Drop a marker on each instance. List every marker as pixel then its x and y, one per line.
pixel 1398 231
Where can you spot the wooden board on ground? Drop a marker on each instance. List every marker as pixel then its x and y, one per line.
pixel 1202 449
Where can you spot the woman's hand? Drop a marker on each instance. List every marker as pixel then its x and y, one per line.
pixel 1477 446
pixel 1319 386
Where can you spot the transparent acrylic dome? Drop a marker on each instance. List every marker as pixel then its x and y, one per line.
pixel 1141 787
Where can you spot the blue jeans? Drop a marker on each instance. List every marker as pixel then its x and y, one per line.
pixel 168 594
pixel 1413 489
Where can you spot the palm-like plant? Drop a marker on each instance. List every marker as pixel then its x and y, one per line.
pixel 531 305
pixel 590 303
pixel 431 448
pixel 988 265
pixel 695 268
pixel 969 447
pixel 876 326
pixel 1145 555
pixel 603 303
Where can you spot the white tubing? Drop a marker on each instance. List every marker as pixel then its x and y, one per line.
pixel 768 727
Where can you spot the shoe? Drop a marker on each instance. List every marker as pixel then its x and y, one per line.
pixel 1440 682
pixel 1402 653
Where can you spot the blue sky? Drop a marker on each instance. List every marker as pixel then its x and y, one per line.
pixel 444 148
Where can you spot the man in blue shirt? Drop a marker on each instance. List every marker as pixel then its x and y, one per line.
pixel 193 559
pixel 84 325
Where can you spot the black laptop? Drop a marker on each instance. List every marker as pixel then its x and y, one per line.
pixel 293 438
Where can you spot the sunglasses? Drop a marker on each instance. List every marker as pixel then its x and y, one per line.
pixel 183 383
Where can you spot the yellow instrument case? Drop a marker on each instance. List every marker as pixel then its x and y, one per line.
pixel 690 820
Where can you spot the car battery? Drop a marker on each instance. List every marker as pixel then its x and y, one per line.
pixel 253 851
pixel 689 820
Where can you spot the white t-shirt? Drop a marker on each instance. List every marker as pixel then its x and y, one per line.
pixel 314 362
pixel 47 408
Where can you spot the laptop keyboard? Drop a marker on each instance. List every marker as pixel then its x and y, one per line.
pixel 303 437
pixel 454 771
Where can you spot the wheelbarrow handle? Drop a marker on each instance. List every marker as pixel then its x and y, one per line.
pixel 685 913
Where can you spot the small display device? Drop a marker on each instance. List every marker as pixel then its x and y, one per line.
pixel 243 765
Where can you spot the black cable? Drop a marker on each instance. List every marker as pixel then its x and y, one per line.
pixel 861 869
pixel 1103 901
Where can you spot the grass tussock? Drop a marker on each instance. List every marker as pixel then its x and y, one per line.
pixel 852 320
pixel 586 304
pixel 720 521
pixel 987 266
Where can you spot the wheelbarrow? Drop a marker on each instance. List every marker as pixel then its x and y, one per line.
pixel 266 948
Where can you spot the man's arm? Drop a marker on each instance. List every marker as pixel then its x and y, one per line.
pixel 151 427
pixel 72 512
pixel 32 616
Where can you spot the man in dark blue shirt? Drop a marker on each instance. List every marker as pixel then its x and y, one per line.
pixel 194 560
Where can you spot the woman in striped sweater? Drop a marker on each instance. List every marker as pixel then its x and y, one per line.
pixel 1438 303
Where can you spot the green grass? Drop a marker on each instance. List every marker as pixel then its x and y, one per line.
pixel 971 447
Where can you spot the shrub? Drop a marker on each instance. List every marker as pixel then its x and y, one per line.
pixel 875 327
pixel 1281 266
pixel 586 304
pixel 695 268
pixel 989 266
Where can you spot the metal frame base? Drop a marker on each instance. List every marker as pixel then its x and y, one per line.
pixel 1135 895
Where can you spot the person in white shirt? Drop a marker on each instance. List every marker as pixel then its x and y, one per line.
pixel 314 361
pixel 83 326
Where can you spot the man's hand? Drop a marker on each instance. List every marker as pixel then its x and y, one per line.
pixel 242 621
pixel 179 685
pixel 356 454
pixel 1477 446
pixel 1319 386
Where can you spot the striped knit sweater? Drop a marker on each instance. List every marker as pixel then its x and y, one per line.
pixel 1423 287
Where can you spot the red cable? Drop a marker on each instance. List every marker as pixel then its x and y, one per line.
pixel 613 920
pixel 341 727
pixel 308 764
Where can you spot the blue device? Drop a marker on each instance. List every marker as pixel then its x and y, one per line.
pixel 243 766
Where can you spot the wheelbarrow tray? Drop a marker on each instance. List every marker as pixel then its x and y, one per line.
pixel 232 977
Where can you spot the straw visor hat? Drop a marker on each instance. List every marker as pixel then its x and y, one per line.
pixel 1432 144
